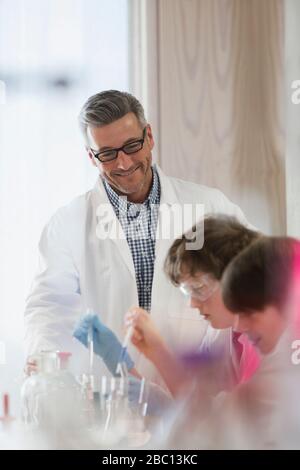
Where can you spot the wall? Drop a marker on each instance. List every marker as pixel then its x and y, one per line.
pixel 292 66
pixel 219 102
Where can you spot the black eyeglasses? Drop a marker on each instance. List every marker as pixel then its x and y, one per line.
pixel 112 154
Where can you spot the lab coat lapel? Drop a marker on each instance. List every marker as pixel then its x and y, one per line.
pixel 166 233
pixel 108 223
pixel 162 245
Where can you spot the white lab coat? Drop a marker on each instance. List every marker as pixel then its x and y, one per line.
pixel 78 270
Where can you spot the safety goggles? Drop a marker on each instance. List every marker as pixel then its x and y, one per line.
pixel 201 290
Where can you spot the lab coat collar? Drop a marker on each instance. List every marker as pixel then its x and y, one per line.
pixel 120 203
pixel 168 197
pixel 101 201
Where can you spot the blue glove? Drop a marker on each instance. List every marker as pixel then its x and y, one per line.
pixel 157 399
pixel 106 344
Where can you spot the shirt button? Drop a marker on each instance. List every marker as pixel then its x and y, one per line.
pixel 134 211
pixel 147 289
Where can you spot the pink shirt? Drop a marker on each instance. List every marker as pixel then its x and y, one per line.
pixel 247 357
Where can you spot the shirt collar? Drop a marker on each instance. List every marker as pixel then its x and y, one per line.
pixel 120 203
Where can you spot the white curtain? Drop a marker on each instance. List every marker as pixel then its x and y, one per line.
pixel 54 54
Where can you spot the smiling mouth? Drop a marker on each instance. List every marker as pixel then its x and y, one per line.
pixel 127 173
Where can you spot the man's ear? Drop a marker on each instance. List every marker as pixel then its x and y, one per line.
pixel 149 136
pixel 91 156
pixel 88 151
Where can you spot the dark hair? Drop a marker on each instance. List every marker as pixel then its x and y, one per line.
pixel 259 276
pixel 224 237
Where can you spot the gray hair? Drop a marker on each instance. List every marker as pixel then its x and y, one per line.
pixel 108 106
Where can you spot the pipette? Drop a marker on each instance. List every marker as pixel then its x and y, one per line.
pixel 141 396
pixel 91 363
pixel 120 369
pixel 143 403
pixel 91 349
pixel 90 345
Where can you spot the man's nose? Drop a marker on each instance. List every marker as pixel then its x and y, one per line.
pixel 124 161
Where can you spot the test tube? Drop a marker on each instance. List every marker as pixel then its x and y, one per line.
pixel 6 415
pixel 103 392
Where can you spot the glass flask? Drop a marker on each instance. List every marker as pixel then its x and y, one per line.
pixel 50 396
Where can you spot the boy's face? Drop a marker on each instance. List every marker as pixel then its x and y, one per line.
pixel 205 295
pixel 263 328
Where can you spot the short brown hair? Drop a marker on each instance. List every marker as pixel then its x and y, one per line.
pixel 259 276
pixel 224 238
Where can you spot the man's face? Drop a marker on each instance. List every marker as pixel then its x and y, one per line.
pixel 129 175
pixel 263 328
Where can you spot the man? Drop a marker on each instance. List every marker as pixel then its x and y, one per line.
pixel 104 251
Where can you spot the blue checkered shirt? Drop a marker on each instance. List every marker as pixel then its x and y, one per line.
pixel 139 222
